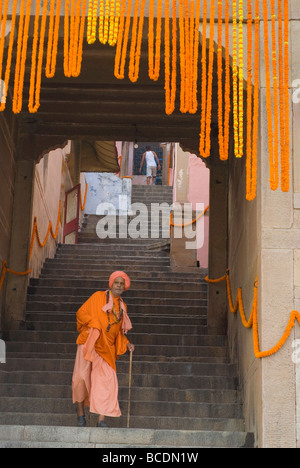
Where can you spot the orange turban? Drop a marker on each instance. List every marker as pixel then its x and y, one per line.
pixel 119 274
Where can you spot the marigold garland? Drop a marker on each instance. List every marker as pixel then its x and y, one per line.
pixel 285 160
pixel 103 21
pixel 122 42
pixel 195 55
pixel 182 56
pixel 73 36
pixel 92 21
pixel 52 39
pixel 136 41
pixel 78 39
pixel 235 79
pixel 36 68
pixel 205 126
pixel 170 77
pixel 252 116
pixel 21 56
pixel 241 81
pixel 114 30
pixel 4 88
pixel 273 138
pixel 252 322
pixel 3 21
pixel 154 64
pixel 223 122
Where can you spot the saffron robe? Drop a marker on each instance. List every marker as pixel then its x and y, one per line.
pixel 94 378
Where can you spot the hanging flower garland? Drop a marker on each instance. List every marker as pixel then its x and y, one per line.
pixel 205 125
pixel 241 80
pixel 223 122
pixel 195 55
pixel 122 42
pixel 170 77
pixel 78 40
pixel 114 22
pixel 92 21
pixel 154 64
pixel 187 57
pixel 235 79
pixel 52 39
pixel 109 18
pixel 272 131
pixel 252 103
pixel 21 56
pixel 4 87
pixel 114 26
pixel 182 56
pixel 36 64
pixel 136 41
pixel 73 36
pixel 285 158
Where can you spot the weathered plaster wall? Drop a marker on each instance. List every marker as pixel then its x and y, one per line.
pixel 52 180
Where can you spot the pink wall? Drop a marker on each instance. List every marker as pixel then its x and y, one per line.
pixel 199 177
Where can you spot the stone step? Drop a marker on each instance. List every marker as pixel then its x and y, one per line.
pixel 172 321
pixel 34 377
pixel 137 393
pixel 121 244
pixel 152 216
pixel 26 435
pixel 108 260
pixel 134 307
pixel 94 239
pixel 87 292
pixel 150 351
pixel 138 273
pixel 141 339
pixel 138 408
pixel 36 323
pixel 88 249
pixel 110 253
pixel 209 359
pixel 171 368
pixel 151 301
pixel 94 270
pixel 136 284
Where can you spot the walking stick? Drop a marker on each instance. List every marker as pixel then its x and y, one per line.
pixel 129 388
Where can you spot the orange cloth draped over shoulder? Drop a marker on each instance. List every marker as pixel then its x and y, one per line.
pixel 109 344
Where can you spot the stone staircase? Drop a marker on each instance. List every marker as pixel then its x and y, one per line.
pixel 184 389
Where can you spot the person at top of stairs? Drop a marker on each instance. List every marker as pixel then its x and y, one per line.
pixel 102 322
pixel 152 163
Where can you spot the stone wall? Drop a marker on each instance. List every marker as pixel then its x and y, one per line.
pixel 243 253
pixel 264 239
pixel 7 179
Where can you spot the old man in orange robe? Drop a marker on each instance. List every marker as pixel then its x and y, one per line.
pixel 102 323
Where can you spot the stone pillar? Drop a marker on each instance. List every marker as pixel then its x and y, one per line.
pixel 280 239
pixel 20 244
pixel 218 220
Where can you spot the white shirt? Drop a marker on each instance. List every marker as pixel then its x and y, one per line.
pixel 150 160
